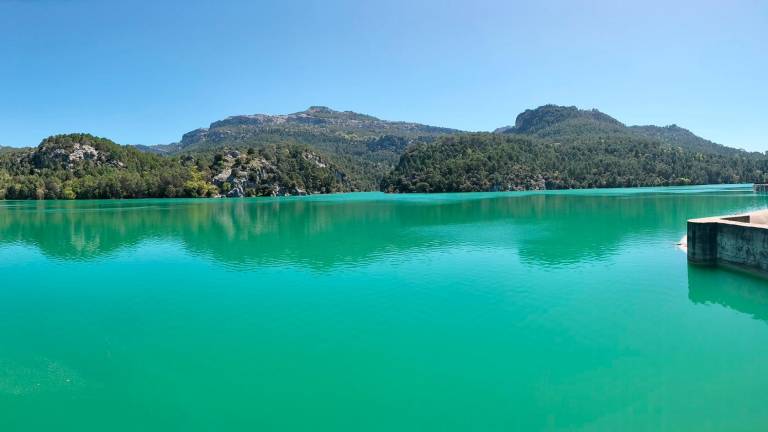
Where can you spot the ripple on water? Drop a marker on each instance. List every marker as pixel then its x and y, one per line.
pixel 36 375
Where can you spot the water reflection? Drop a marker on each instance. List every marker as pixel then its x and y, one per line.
pixel 323 232
pixel 736 290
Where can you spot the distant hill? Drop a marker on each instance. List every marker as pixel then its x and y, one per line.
pixel 556 147
pixel 321 150
pixel 158 149
pixel 561 122
pixel 82 166
pixel 680 137
pixel 314 125
pixel 551 119
pixel 4 149
pixel 365 146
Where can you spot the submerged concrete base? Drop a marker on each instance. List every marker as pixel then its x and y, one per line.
pixel 736 241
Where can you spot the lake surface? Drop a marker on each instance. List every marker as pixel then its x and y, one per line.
pixel 370 312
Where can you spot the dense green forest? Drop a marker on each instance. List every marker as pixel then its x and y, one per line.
pixel 323 151
pixel 554 147
pixel 83 166
pixel 495 162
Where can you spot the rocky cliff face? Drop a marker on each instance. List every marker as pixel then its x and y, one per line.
pixel 532 121
pixel 71 151
pixel 316 120
pixel 363 146
pixel 240 174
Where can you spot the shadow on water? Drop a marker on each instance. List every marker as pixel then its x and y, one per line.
pixel 323 232
pixel 734 289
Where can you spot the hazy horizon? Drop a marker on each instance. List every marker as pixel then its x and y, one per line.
pixel 146 73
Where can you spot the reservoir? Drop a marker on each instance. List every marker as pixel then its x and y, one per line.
pixel 552 310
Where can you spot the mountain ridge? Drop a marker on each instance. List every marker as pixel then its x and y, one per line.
pixel 536 121
pixel 321 150
pixel 558 147
pixel 317 119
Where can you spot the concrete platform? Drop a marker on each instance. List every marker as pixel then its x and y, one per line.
pixel 735 240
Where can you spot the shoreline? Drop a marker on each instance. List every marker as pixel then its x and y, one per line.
pixel 608 191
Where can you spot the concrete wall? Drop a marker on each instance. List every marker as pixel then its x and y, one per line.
pixel 743 246
pixel 702 242
pixel 732 240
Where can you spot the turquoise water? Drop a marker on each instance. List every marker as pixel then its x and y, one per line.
pixel 369 312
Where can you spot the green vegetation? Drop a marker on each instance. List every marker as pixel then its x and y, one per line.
pixel 323 151
pixel 81 166
pixel 556 147
pixel 272 170
pixel 364 147
pixel 679 137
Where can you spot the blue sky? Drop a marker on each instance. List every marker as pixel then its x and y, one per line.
pixel 145 72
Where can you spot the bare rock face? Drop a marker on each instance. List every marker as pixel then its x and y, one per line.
pixel 77 152
pixel 222 176
pixel 83 152
pixel 242 175
pixel 237 191
pixel 70 154
pixel 314 120
pixel 314 158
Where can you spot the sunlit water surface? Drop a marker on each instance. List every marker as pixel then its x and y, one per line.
pixel 371 312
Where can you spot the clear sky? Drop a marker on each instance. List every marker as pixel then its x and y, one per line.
pixel 145 72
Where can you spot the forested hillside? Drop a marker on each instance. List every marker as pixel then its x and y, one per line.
pixel 323 151
pixel 81 166
pixel 556 147
pixel 84 166
pixel 676 136
pixel 366 147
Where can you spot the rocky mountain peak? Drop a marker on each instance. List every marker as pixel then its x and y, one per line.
pixel 533 120
pixel 70 150
pixel 319 109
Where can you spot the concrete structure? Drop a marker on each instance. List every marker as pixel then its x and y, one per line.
pixel 760 187
pixel 737 241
